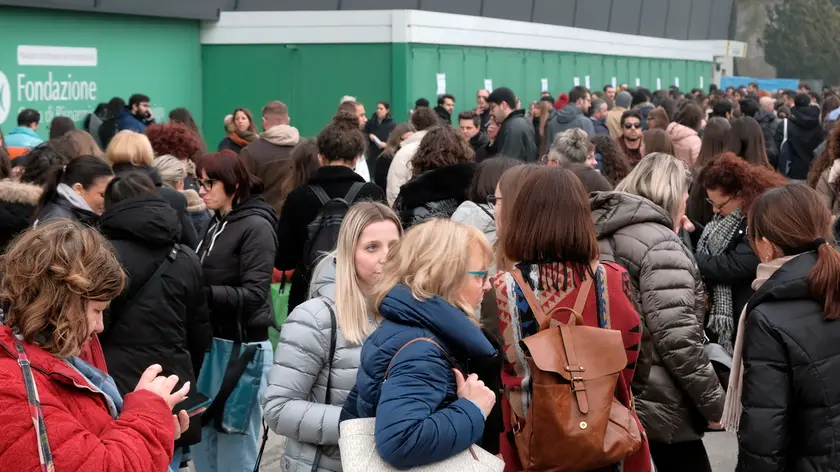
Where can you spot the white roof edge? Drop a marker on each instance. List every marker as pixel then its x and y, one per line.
pixel 414 26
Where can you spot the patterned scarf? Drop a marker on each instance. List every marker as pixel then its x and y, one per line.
pixel 714 242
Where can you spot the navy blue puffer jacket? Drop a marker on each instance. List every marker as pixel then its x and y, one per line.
pixel 419 417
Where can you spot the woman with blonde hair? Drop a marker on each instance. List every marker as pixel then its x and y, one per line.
pixel 636 227
pixel 318 355
pixel 132 152
pixel 57 280
pixel 428 298
pixel 173 172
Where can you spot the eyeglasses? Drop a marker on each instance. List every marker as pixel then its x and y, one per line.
pixel 719 207
pixel 492 200
pixel 481 273
pixel 207 184
pixel 632 125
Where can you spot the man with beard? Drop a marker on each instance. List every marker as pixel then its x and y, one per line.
pixel 470 125
pixel 631 136
pixel 515 135
pixel 136 115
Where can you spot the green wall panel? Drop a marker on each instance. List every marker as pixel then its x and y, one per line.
pixel 158 57
pixel 310 79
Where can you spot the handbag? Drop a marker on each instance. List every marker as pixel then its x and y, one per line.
pixel 358 446
pixel 231 375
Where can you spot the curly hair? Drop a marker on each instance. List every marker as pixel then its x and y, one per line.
pixel 49 274
pixel 342 140
pixel 826 158
pixel 615 165
pixel 174 139
pixel 736 177
pixel 442 146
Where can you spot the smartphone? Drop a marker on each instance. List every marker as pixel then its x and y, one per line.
pixel 193 403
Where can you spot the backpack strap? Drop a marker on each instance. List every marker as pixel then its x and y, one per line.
pixel 354 192
pixel 536 308
pixel 428 340
pixel 320 449
pixel 320 193
pixel 171 256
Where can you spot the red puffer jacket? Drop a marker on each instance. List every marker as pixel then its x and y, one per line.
pixel 82 434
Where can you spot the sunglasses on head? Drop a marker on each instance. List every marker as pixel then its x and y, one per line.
pixel 632 125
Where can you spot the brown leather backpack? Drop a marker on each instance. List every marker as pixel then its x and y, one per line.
pixel 574 421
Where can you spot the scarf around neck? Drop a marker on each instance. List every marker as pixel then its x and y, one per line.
pixel 732 408
pixel 715 240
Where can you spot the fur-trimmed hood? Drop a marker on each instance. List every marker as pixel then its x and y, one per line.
pixel 18 192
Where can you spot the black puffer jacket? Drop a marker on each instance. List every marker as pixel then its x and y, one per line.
pixel 168 324
pixel 18 203
pixel 791 393
pixel 804 136
pixel 735 267
pixel 682 393
pixel 237 255
pixel 174 198
pixel 434 194
pixel 767 120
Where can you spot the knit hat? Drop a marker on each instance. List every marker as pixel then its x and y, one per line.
pixel 623 100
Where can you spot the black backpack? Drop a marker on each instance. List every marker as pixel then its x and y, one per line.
pixel 323 231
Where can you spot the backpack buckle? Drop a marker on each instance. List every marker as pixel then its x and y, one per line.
pixel 575 388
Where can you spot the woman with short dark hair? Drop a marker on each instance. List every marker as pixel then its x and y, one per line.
pixel 236 257
pixel 546 231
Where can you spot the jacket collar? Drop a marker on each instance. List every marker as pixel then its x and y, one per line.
pixel 514 114
pixel 24 130
pixel 789 282
pixel 328 174
pixel 454 327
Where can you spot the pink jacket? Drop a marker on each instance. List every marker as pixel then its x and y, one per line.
pixel 686 142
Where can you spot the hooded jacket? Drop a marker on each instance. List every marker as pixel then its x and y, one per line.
pixel 804 135
pixel 237 253
pixel 22 137
pixel 791 393
pixel 67 205
pixel 83 434
pixel 569 117
pixel 18 203
pixel 516 138
pixel 400 171
pixel 686 142
pixel 174 198
pixel 767 122
pixel 301 208
pixel 169 324
pixel 293 404
pixel 269 159
pixel 682 393
pixel 419 417
pixel 434 194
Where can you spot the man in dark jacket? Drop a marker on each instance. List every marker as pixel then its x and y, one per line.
pixel 572 115
pixel 136 115
pixel 470 125
pixel 804 135
pixel 160 319
pixel 268 157
pixel 750 107
pixel 444 109
pixel 598 117
pixel 515 135
pixel 483 108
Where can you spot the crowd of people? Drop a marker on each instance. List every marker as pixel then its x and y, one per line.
pixel 447 284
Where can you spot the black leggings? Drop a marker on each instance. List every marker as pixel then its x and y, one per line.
pixel 680 457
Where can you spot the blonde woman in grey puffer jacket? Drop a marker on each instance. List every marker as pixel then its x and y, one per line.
pixel 295 403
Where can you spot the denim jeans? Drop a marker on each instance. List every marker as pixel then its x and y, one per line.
pixel 220 452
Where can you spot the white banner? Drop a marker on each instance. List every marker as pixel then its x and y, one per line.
pixel 56 56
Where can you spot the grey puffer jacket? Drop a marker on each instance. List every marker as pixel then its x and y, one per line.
pixel 478 215
pixel 682 393
pixel 293 405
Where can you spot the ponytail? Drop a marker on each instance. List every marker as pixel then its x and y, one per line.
pixel 54 177
pixel 824 279
pixel 84 170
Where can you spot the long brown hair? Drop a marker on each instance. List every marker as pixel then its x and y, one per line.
pixel 657 140
pixel 549 220
pixel 615 166
pixel 793 217
pixel 49 275
pixel 661 118
pixel 747 141
pixel 736 177
pixel 545 112
pixel 442 146
pixel 715 141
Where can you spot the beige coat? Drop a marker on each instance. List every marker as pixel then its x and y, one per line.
pixel 400 171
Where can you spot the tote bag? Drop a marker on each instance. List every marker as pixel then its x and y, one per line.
pixel 358 445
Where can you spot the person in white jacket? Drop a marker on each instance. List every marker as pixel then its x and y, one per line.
pixel 307 384
pixel 423 120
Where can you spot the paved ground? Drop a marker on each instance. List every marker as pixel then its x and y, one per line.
pixel 722 448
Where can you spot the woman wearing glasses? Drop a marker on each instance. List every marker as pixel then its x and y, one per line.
pixel 637 228
pixel 631 141
pixel 237 255
pixel 724 256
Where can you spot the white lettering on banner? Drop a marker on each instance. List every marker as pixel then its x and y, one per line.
pixel 5 97
pixel 55 90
